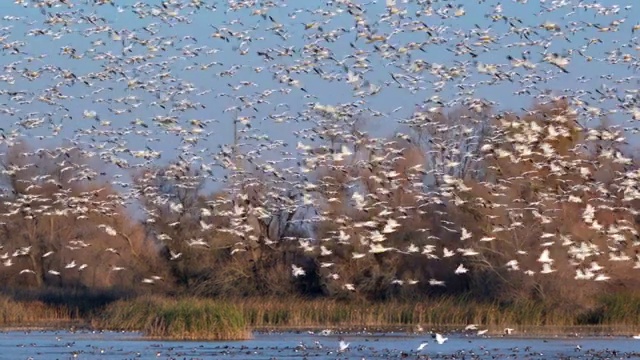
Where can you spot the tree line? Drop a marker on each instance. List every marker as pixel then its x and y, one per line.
pixel 64 226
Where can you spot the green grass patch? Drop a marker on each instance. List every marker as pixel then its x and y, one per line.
pixel 184 318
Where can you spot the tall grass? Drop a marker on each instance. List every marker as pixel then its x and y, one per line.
pixel 31 313
pixel 211 319
pixel 615 309
pixel 439 312
pixel 612 313
pixel 185 318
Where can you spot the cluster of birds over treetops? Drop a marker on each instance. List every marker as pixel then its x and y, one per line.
pixel 273 95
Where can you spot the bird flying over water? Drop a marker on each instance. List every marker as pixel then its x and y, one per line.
pixel 323 132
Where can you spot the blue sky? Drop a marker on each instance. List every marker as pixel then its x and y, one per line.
pixel 324 92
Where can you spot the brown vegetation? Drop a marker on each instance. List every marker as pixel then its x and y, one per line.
pixel 57 211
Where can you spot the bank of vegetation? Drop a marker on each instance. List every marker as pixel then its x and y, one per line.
pixel 197 318
pixel 79 247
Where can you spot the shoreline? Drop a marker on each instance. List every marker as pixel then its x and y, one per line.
pixel 67 325
pixel 546 332
pixel 526 332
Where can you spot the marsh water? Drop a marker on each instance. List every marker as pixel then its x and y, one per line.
pixel 116 345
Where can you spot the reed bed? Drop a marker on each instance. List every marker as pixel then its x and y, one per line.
pixel 308 313
pixel 191 318
pixel 612 313
pixel 184 318
pixel 435 313
pixel 616 309
pixel 32 313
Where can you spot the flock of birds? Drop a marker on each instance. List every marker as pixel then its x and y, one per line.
pixel 271 95
pixel 361 345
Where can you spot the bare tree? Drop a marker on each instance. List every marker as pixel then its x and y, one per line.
pixel 451 141
pixel 55 207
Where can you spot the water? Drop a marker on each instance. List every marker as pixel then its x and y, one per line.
pixel 113 345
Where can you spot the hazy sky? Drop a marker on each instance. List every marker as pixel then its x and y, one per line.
pixel 122 18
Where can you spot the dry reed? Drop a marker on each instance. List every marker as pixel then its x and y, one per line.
pixel 31 313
